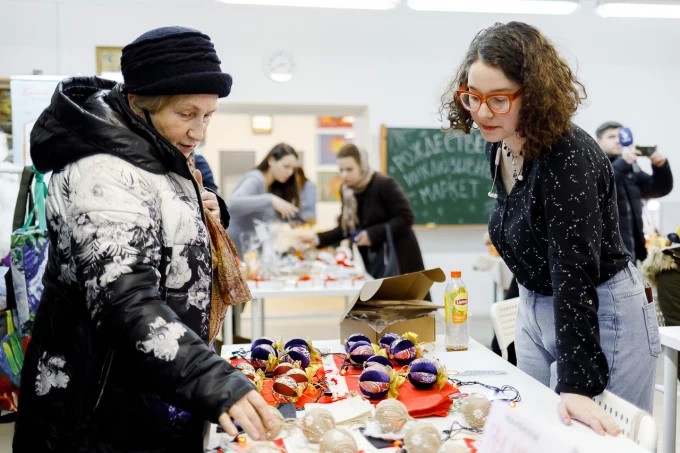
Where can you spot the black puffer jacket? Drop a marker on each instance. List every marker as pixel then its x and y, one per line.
pixel 632 185
pixel 119 359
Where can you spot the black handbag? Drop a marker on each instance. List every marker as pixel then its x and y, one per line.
pixel 383 261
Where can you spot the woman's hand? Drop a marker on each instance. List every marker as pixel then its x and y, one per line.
pixel 362 239
pixel 209 199
pixel 585 410
pixel 252 413
pixel 287 210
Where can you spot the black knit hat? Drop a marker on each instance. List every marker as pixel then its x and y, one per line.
pixel 173 60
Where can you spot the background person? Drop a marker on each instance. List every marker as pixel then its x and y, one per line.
pixel 633 185
pixel 307 191
pixel 120 357
pixel 370 200
pixel 268 193
pixel 555 223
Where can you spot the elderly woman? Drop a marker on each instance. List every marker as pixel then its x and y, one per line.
pixel 120 357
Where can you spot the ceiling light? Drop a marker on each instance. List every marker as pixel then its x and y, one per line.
pixel 662 10
pixel 344 4
pixel 562 7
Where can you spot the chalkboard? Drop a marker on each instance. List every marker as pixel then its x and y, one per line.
pixel 445 175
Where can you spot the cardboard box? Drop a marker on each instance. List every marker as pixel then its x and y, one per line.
pixel 406 292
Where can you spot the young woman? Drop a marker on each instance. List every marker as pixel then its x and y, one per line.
pixel 120 357
pixel 370 202
pixel 267 193
pixel 584 323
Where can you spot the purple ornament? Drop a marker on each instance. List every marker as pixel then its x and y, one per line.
pixel 386 340
pixel 377 360
pixel 296 342
pixel 423 373
pixel 298 354
pixel 359 352
pixel 354 338
pixel 403 351
pixel 260 354
pixel 262 340
pixel 374 383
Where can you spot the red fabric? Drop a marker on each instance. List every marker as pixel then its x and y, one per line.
pixel 420 403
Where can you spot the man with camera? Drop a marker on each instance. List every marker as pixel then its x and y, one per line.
pixel 633 184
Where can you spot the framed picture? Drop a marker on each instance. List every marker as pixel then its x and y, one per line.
pixel 335 121
pixel 108 59
pixel 329 145
pixel 328 185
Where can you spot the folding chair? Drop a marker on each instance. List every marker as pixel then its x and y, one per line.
pixel 503 317
pixel 636 424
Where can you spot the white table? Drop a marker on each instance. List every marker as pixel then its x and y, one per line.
pixel 670 340
pixel 261 290
pixel 539 400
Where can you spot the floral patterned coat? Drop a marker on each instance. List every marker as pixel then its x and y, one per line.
pixel 119 358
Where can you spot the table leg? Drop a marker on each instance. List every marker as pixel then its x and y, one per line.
pixel 257 318
pixel 228 326
pixel 670 388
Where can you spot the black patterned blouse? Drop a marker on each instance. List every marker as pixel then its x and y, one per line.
pixel 558 232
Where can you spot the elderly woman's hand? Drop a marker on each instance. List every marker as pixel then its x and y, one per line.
pixel 252 413
pixel 585 410
pixel 209 199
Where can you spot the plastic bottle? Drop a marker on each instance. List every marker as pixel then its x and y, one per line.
pixel 456 306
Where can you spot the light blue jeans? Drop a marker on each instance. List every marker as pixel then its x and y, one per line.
pixel 629 337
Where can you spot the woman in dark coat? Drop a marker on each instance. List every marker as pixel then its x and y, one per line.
pixel 370 202
pixel 121 356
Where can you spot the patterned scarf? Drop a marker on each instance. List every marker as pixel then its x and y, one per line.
pixel 349 218
pixel 228 285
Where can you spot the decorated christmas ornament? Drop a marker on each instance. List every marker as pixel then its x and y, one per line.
pixel 298 354
pixel 475 408
pixel 354 338
pixel 277 418
pixel 285 389
pixel 391 415
pixel 263 356
pixel 422 437
pixel 338 440
pixel 300 377
pixel 374 383
pixel 424 373
pixel 316 423
pixel 386 340
pixel 262 340
pixel 283 368
pixel 359 352
pixel 403 351
pixel 296 342
pixel 247 369
pixel 377 360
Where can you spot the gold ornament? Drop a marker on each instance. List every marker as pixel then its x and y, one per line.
pixel 475 408
pixel 422 437
pixel 391 415
pixel 273 432
pixel 338 440
pixel 316 423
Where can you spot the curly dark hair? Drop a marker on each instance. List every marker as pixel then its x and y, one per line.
pixel 551 92
pixel 287 190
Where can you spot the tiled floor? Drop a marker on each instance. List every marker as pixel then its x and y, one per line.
pixel 284 320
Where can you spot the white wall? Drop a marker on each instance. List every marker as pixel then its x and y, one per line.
pixel 396 63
